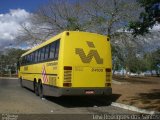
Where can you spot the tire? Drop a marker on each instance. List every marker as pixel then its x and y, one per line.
pixel 40 90
pixel 36 89
pixel 21 84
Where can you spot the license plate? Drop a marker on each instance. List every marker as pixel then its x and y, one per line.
pixel 89 92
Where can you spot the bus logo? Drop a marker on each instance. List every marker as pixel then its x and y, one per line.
pixel 86 58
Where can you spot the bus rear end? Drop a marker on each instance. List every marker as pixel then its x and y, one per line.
pixel 86 64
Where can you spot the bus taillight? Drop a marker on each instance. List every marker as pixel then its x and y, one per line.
pixel 67 68
pixel 67 76
pixel 108 77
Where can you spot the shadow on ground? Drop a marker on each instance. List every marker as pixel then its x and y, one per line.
pixel 149 100
pixel 84 101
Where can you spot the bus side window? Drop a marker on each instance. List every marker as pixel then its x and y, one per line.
pixel 57 50
pixel 39 55
pixel 30 56
pixel 20 62
pixel 42 53
pixel 46 52
pixel 52 50
pixel 23 61
pixel 27 59
pixel 33 57
pixel 36 55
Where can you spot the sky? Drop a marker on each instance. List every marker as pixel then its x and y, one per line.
pixel 13 13
pixel 28 5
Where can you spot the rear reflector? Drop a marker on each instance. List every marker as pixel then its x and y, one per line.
pixel 67 68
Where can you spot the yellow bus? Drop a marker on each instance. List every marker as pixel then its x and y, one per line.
pixel 71 63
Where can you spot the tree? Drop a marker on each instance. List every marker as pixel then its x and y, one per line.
pixel 122 49
pixel 107 16
pixel 127 52
pixel 156 61
pixel 153 61
pixel 148 18
pixel 138 65
pixel 100 16
pixel 9 59
pixel 117 60
pixel 52 18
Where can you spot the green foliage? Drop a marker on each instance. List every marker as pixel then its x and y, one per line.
pixel 13 54
pixel 156 61
pixel 117 60
pixel 73 24
pixel 148 18
pixel 128 58
pixel 9 59
pixel 153 61
pixel 138 66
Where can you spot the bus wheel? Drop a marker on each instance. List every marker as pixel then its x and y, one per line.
pixel 36 89
pixel 40 90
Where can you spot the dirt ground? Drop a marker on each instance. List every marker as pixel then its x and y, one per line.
pixel 142 92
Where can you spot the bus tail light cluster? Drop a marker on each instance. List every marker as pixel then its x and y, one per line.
pixel 67 76
pixel 108 77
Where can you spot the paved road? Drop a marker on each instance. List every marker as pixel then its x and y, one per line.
pixel 17 100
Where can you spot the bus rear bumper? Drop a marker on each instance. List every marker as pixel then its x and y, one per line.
pixel 53 91
pixel 86 91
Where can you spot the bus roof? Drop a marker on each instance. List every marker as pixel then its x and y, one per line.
pixel 51 40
